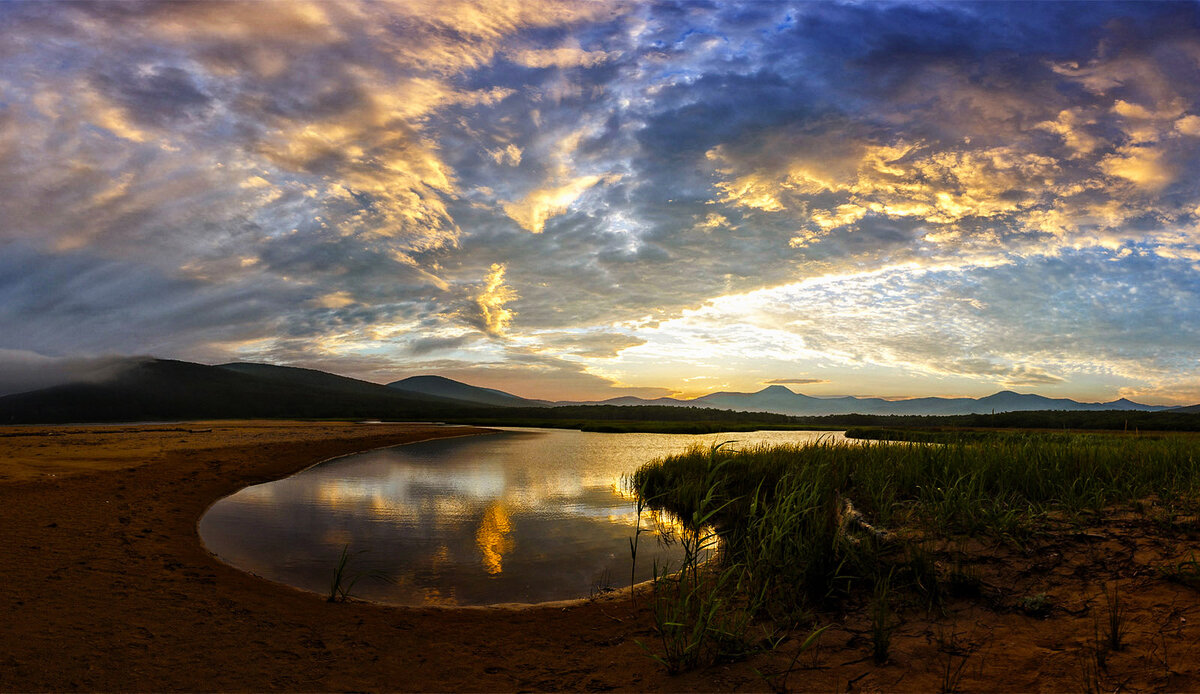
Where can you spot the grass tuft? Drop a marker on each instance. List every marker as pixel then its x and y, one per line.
pixel 1036 605
pixel 883 624
pixel 344 580
pixel 1118 620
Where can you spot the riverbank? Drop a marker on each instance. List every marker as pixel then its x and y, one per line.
pixel 106 587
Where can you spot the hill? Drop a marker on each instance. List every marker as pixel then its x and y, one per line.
pixel 163 389
pixel 438 386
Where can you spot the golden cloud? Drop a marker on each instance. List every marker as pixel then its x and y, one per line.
pixel 1071 125
pixel 492 299
pixel 900 180
pixel 1188 125
pixel 1142 166
pixel 539 205
pixel 562 186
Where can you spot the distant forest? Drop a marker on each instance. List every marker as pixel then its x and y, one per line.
pixel 645 418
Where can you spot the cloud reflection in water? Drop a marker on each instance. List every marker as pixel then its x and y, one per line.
pixel 521 516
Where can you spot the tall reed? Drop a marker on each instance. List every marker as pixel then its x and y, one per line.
pixel 799 524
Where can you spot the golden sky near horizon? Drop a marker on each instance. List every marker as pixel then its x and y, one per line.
pixel 581 200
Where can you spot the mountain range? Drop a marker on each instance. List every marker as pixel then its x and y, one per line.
pixel 163 389
pixel 781 400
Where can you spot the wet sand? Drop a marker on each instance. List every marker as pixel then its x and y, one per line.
pixel 107 587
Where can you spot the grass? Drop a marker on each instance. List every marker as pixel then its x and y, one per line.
pixel 803 525
pixel 953 661
pixel 992 486
pixel 1117 622
pixel 343 581
pixel 702 615
pixel 778 681
pixel 1036 605
pixel 702 618
pixel 1185 572
pixel 883 622
pixel 640 505
pixel 1091 663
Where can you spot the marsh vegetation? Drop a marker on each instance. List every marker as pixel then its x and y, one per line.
pixel 807 531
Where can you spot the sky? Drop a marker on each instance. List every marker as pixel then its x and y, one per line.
pixel 583 200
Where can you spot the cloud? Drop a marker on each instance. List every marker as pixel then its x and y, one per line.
pixel 795 381
pixel 494 318
pixel 156 95
pixel 560 57
pixel 1189 125
pixel 1029 322
pixel 531 375
pixel 1007 375
pixel 23 370
pixel 429 345
pixel 368 184
pixel 534 209
pixel 589 344
pixel 510 155
pixel 1143 166
pixel 78 303
pixel 562 184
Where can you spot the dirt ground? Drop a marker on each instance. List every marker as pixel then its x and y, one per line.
pixel 105 586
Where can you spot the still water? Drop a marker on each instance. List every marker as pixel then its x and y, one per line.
pixel 525 515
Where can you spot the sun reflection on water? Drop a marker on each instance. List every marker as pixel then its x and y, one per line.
pixel 493 538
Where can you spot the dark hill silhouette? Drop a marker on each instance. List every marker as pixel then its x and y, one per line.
pixel 296 377
pixel 163 389
pixel 440 386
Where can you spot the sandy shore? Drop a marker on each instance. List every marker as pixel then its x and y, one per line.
pixel 107 587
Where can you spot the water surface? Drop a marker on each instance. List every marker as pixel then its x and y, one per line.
pixel 525 515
